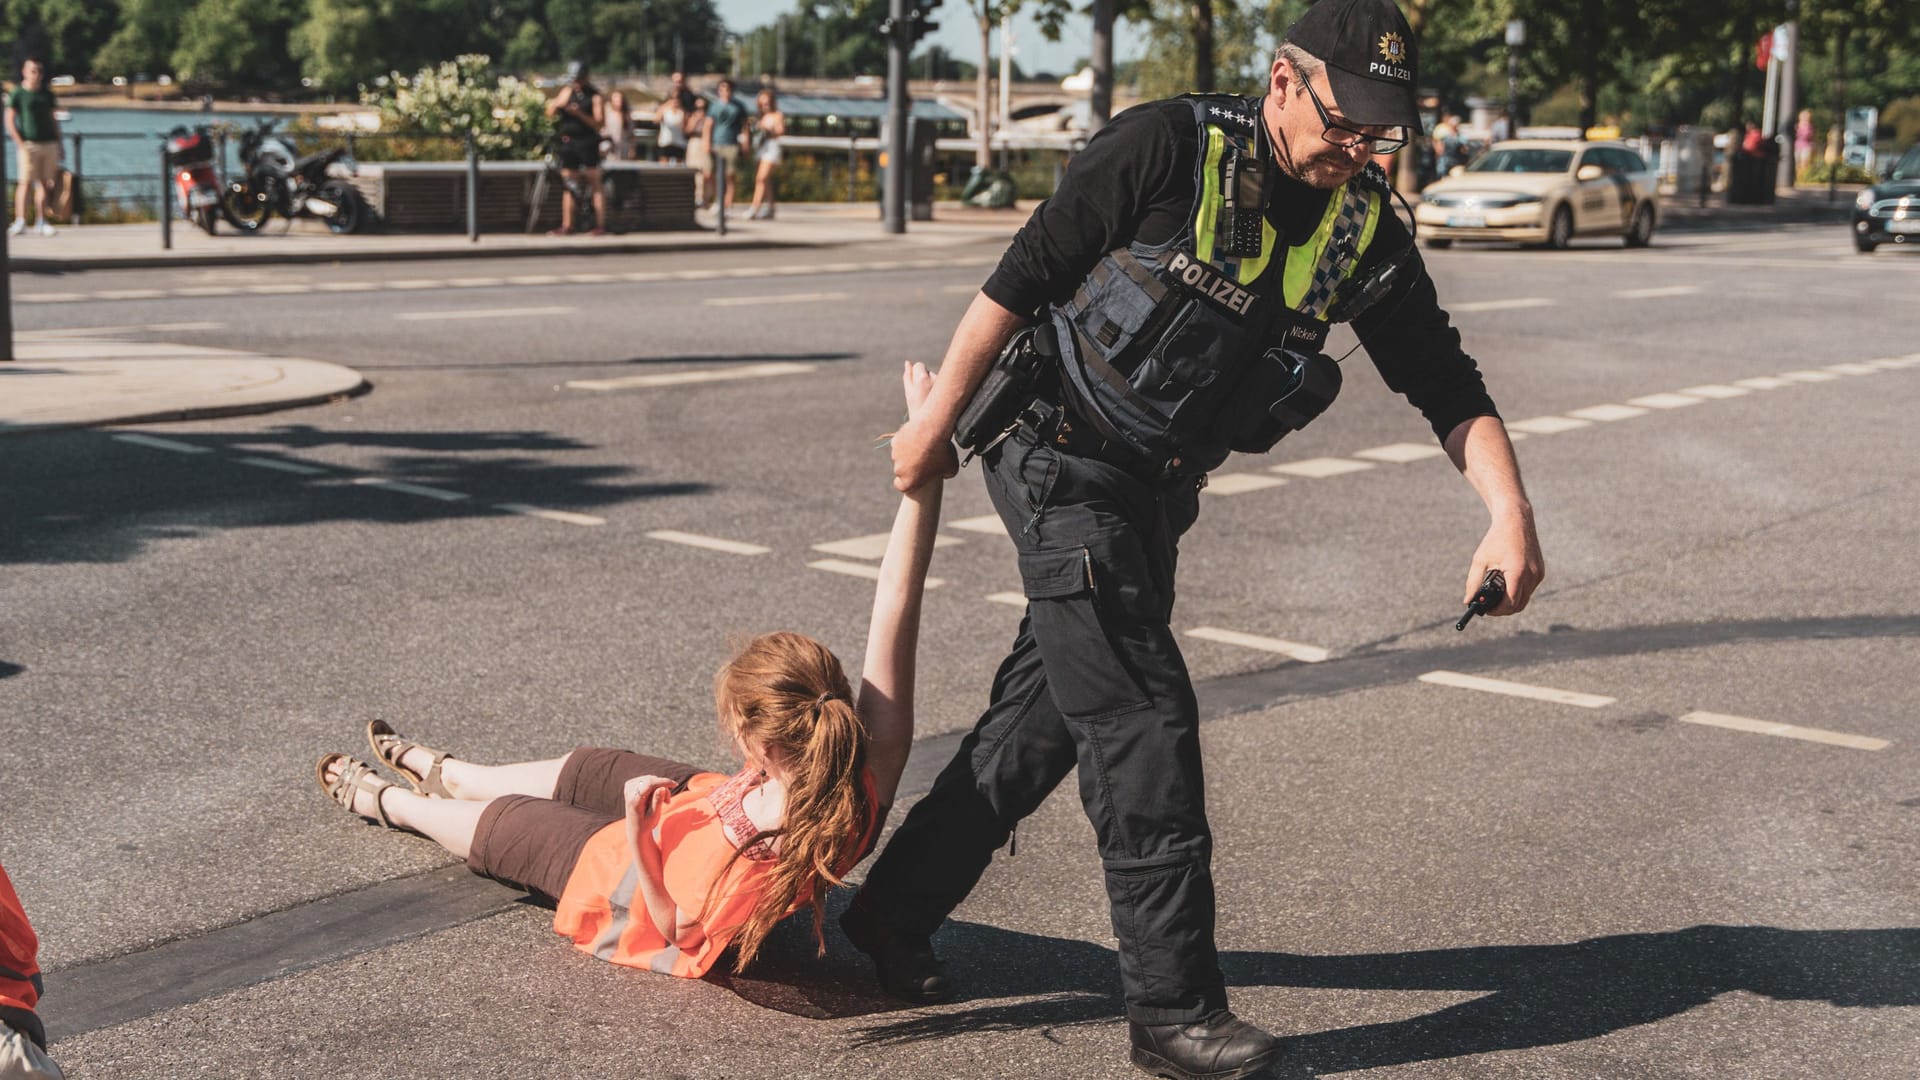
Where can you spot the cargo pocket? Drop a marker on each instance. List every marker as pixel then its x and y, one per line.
pixel 1086 674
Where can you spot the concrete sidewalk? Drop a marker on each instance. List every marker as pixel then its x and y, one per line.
pixel 63 380
pixel 807 225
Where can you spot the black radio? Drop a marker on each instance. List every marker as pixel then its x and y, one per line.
pixel 1009 386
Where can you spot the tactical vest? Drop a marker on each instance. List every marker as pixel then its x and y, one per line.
pixel 1179 351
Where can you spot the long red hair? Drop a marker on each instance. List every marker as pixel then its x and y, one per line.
pixel 787 695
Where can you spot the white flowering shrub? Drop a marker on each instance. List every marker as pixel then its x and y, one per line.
pixel 507 116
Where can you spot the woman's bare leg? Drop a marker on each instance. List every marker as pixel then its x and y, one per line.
pixel 469 782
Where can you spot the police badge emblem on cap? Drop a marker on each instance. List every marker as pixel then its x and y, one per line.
pixel 1369 52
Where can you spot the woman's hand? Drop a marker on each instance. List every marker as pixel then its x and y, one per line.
pixel 645 795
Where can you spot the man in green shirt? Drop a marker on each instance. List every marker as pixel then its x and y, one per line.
pixel 32 127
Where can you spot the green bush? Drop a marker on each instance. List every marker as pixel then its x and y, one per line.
pixel 1819 172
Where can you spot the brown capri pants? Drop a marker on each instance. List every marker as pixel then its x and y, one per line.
pixel 532 843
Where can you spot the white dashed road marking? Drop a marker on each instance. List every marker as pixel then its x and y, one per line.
pixel 1764 382
pixel 1606 413
pixel 711 543
pixel 1664 401
pixel 774 298
pixel 1011 599
pixel 1321 467
pixel 1547 425
pixel 154 443
pixel 1786 731
pixel 678 378
pixel 1239 483
pixel 1648 294
pixel 565 517
pixel 861 570
pixel 1809 376
pixel 874 546
pixel 1503 305
pixel 1514 689
pixel 1715 391
pixel 277 465
pixel 1854 369
pixel 1310 654
pixel 405 488
pixel 1401 452
pixel 484 313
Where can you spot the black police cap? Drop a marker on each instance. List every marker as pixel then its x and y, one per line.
pixel 1369 52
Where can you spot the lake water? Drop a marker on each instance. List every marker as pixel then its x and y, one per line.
pixel 120 148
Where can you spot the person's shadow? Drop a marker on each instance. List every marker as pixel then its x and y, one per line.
pixel 1532 995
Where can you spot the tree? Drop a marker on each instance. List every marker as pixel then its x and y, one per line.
pixel 149 31
pixel 238 43
pixel 342 42
pixel 75 30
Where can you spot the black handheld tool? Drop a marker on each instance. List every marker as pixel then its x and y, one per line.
pixel 1493 590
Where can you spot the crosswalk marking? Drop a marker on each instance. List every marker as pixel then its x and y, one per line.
pixel 1503 305
pixel 985 523
pixel 278 465
pixel 861 570
pixel 1401 453
pixel 1607 413
pixel 678 378
pixel 1547 425
pixel 1514 689
pixel 873 546
pixel 1715 391
pixel 1785 731
pixel 711 543
pixel 1319 468
pixel 405 488
pixel 1309 654
pixel 1239 483
pixel 565 517
pixel 1664 401
pixel 153 442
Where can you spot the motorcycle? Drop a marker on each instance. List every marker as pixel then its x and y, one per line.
pixel 190 155
pixel 279 181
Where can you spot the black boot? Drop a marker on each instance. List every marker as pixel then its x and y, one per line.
pixel 907 969
pixel 1220 1047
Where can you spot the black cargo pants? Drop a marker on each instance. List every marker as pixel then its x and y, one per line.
pixel 1095 681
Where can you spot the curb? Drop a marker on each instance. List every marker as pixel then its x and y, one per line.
pixel 33 265
pixel 202 412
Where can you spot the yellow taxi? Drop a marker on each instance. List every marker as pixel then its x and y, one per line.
pixel 1541 191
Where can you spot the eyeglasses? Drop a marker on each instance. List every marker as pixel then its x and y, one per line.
pixel 1376 144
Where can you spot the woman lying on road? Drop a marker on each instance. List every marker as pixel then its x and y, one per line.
pixel 703 860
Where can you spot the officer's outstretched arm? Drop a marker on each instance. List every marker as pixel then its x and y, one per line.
pixel 920 447
pixel 1483 453
pixel 893 635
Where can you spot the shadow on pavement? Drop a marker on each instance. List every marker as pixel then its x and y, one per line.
pixel 1531 995
pixel 87 497
pixel 8 671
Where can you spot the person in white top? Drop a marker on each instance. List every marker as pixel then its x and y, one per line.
pixel 771 125
pixel 671 118
pixel 617 134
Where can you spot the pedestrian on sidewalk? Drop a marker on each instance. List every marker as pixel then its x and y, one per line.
pixel 1802 142
pixel 768 128
pixel 579 113
pixel 671 121
pixel 660 865
pixel 23 1039
pixel 32 126
pixel 700 153
pixel 1175 327
pixel 617 137
pixel 726 132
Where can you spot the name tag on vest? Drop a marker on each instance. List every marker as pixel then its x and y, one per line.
pixel 1210 284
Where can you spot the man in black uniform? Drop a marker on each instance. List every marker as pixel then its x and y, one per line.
pixel 1184 276
pixel 579 112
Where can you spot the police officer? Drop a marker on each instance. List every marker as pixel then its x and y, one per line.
pixel 1183 278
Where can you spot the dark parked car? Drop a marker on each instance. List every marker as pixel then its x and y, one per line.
pixel 1889 211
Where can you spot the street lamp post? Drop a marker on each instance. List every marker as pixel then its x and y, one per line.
pixel 1516 37
pixel 893 200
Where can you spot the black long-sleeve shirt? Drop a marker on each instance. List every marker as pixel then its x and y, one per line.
pixel 1135 182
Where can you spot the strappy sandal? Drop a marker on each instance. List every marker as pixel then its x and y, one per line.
pixel 390 747
pixel 354 775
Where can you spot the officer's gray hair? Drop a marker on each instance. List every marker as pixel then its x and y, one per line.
pixel 1305 64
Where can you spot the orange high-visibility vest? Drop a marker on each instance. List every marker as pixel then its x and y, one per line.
pixel 19 966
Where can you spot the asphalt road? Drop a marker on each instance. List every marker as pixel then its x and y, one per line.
pixel 1673 837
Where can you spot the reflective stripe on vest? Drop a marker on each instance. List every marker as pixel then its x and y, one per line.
pixel 1316 268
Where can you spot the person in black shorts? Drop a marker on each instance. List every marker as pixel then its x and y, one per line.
pixel 579 111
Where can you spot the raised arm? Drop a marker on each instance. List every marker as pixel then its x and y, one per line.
pixel 893 635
